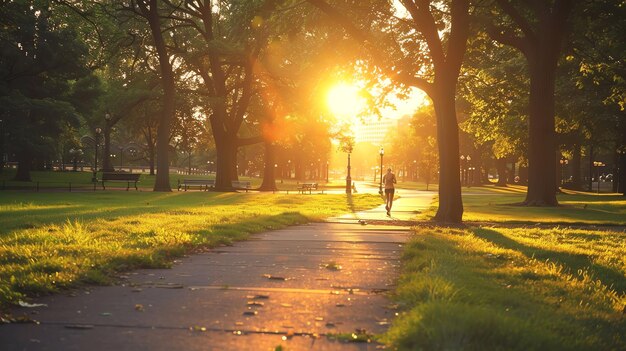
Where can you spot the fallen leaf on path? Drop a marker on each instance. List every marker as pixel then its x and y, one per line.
pixel 139 307
pixel 197 328
pixel 274 277
pixel 287 305
pixel 31 305
pixel 250 313
pixel 106 314
pixel 255 304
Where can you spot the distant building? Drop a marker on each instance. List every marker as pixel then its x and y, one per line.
pixel 375 130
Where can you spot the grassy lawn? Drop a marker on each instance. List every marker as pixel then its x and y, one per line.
pixel 512 289
pixel 50 241
pixel 512 286
pixel 495 204
pixel 82 180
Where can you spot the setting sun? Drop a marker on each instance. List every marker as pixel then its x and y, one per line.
pixel 344 101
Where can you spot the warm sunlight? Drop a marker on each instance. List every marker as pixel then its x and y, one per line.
pixel 344 101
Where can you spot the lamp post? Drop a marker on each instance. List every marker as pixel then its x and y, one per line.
pixel 380 186
pixel 94 179
pixel 598 164
pixel 349 178
pixel 327 165
pixel 563 162
pixel 414 170
pixel 462 169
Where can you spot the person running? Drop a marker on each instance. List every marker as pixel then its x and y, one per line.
pixel 389 179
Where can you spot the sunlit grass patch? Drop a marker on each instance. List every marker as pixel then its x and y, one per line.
pixel 103 233
pixel 494 204
pixel 512 289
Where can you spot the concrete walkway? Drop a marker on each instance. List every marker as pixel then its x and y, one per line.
pixel 292 287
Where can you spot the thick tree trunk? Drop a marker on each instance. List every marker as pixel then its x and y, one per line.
pixel 225 150
pixel 162 182
pixel 450 201
pixel 576 165
pixel 23 167
pixel 542 147
pixel 269 172
pixel 501 168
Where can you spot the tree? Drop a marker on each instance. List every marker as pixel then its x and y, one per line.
pixel 537 29
pixel 41 55
pixel 149 10
pixel 431 38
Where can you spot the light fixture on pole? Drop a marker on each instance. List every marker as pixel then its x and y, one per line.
pixel 94 178
pixel 380 187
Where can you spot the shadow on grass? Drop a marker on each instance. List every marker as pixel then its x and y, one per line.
pixel 107 205
pixel 573 262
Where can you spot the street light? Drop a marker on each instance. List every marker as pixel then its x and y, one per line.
pixel 380 187
pixel 327 164
pixel 94 179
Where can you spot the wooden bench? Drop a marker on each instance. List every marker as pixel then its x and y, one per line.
pixel 304 187
pixel 241 185
pixel 120 177
pixel 201 183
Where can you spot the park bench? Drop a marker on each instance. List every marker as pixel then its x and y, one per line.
pixel 304 187
pixel 241 185
pixel 120 177
pixel 201 183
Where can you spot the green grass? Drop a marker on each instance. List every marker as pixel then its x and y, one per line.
pixel 78 180
pixel 512 289
pixel 500 205
pixel 50 241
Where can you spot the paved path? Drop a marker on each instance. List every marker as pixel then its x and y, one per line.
pixel 290 287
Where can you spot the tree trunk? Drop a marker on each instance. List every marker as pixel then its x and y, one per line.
pixel 162 182
pixel 501 168
pixel 269 172
pixel 620 177
pixel 590 180
pixel 450 201
pixel 542 147
pixel 23 167
pixel 107 165
pixel 576 165
pixel 511 179
pixel 225 150
pixel 151 158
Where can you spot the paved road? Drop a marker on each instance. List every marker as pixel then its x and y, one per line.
pixel 290 287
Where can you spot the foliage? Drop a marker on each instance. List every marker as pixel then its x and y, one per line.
pixel 42 55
